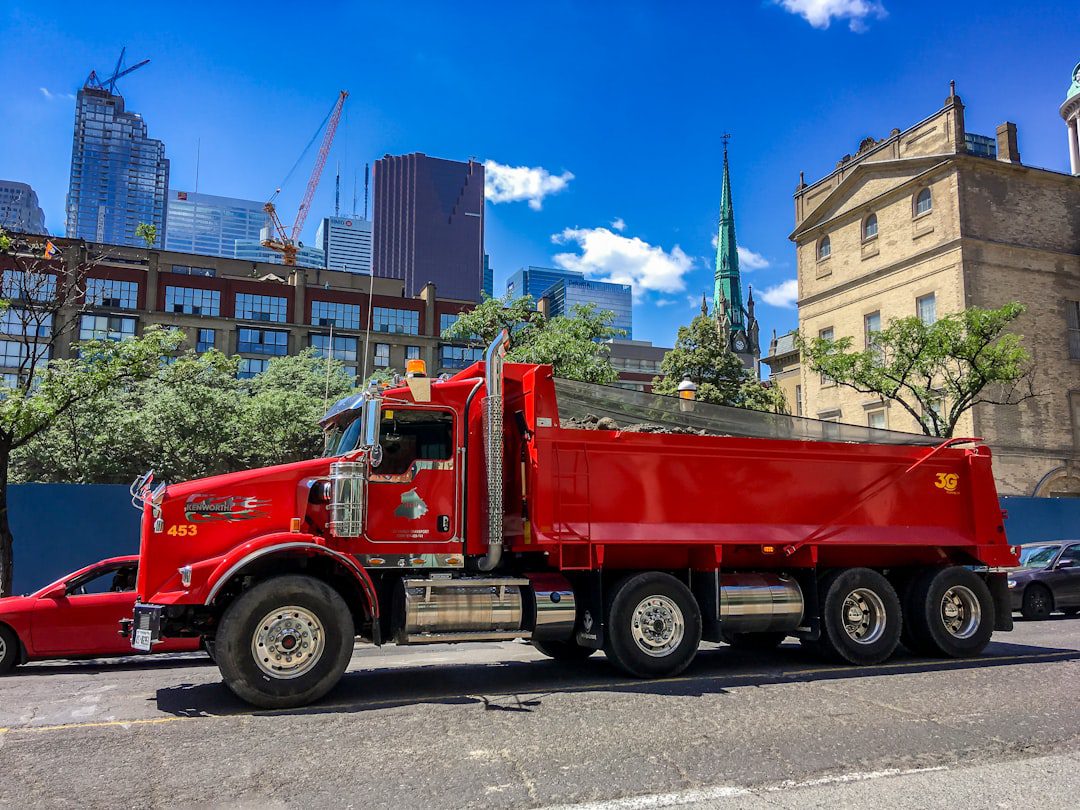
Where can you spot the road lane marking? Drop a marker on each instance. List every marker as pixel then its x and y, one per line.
pixel 626 684
pixel 710 794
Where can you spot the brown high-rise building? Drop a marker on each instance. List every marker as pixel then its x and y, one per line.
pixel 429 224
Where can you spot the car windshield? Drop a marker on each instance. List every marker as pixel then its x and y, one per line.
pixel 1037 556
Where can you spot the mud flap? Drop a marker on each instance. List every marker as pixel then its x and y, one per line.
pixel 589 591
pixel 705 585
pixel 999 591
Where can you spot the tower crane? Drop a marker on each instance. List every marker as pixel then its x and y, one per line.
pixel 275 236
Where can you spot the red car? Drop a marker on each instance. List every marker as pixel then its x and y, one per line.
pixel 77 616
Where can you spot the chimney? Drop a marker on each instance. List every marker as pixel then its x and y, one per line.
pixel 1007 150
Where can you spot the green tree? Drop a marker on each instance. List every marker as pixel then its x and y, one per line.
pixel 936 372
pixel 702 355
pixel 573 345
pixel 147 232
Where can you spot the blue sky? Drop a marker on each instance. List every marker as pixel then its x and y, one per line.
pixel 611 111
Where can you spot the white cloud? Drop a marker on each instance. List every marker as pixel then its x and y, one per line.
pixel 51 96
pixel 820 13
pixel 608 256
pixel 664 302
pixel 751 260
pixel 515 183
pixel 784 294
pixel 619 224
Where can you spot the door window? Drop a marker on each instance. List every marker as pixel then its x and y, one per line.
pixel 1071 553
pixel 413 435
pixel 109 580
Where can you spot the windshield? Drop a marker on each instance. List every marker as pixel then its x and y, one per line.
pixel 341 441
pixel 1037 556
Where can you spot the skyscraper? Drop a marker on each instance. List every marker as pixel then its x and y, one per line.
pixel 736 321
pixel 119 175
pixel 210 225
pixel 566 293
pixel 535 281
pixel 19 208
pixel 429 224
pixel 346 243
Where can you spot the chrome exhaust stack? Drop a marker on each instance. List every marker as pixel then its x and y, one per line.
pixel 493 449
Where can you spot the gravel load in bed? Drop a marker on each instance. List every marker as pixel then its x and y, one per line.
pixel 593 422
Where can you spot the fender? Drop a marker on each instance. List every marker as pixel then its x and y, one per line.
pixel 271 544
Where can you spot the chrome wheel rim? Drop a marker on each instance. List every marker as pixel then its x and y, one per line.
pixel 3 648
pixel 863 616
pixel 657 626
pixel 961 613
pixel 288 642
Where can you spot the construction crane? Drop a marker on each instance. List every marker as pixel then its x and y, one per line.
pixel 109 84
pixel 275 236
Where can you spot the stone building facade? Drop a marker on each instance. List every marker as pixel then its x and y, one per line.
pixel 931 220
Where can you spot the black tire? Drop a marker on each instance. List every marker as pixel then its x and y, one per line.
pixel 874 634
pixel 208 646
pixel 948 612
pixel 9 649
pixel 1038 602
pixel 563 651
pixel 321 617
pixel 756 642
pixel 675 621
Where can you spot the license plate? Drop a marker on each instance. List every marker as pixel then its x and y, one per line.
pixel 142 640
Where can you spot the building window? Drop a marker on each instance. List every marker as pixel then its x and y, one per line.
pixel 207 339
pixel 262 341
pixel 446 320
pixel 106 327
pixel 798 400
pixel 876 419
pixel 329 313
pixel 107 292
pixel 826 334
pixel 344 347
pixel 871 326
pixel 412 352
pixel 1072 316
pixel 185 270
pixel 459 356
pixel 250 307
pixel 824 248
pixel 926 308
pixel 869 229
pixel 32 286
pixel 923 202
pixel 193 301
pixel 15 353
pixel 382 355
pixel 249 367
pixel 395 321
pixel 25 322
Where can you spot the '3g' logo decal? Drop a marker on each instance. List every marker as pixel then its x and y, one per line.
pixel 947 481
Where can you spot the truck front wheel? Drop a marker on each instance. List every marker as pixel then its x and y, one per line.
pixel 653 626
pixel 285 642
pixel 860 617
pixel 949 612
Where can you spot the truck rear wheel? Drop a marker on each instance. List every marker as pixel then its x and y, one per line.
pixel 948 612
pixel 285 642
pixel 860 617
pixel 564 651
pixel 653 625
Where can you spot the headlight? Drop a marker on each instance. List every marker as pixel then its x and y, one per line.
pixel 1012 583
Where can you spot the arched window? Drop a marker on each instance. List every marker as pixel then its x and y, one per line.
pixel 923 202
pixel 869 228
pixel 824 248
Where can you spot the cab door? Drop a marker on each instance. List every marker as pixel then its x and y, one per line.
pixel 414 491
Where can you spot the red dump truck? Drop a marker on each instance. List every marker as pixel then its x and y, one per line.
pixel 502 503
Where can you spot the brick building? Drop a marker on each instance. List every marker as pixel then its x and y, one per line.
pixel 931 220
pixel 257 310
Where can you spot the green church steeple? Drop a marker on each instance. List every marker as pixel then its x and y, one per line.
pixel 727 285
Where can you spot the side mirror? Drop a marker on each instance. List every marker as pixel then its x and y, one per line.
pixel 1065 564
pixel 370 419
pixel 55 592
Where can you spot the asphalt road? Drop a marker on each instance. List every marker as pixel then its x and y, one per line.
pixel 498 726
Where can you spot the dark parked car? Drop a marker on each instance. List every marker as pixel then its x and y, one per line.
pixel 1048 579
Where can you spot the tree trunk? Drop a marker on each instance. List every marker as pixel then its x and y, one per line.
pixel 7 555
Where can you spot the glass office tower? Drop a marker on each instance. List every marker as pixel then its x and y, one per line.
pixel 119 175
pixel 211 225
pixel 566 293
